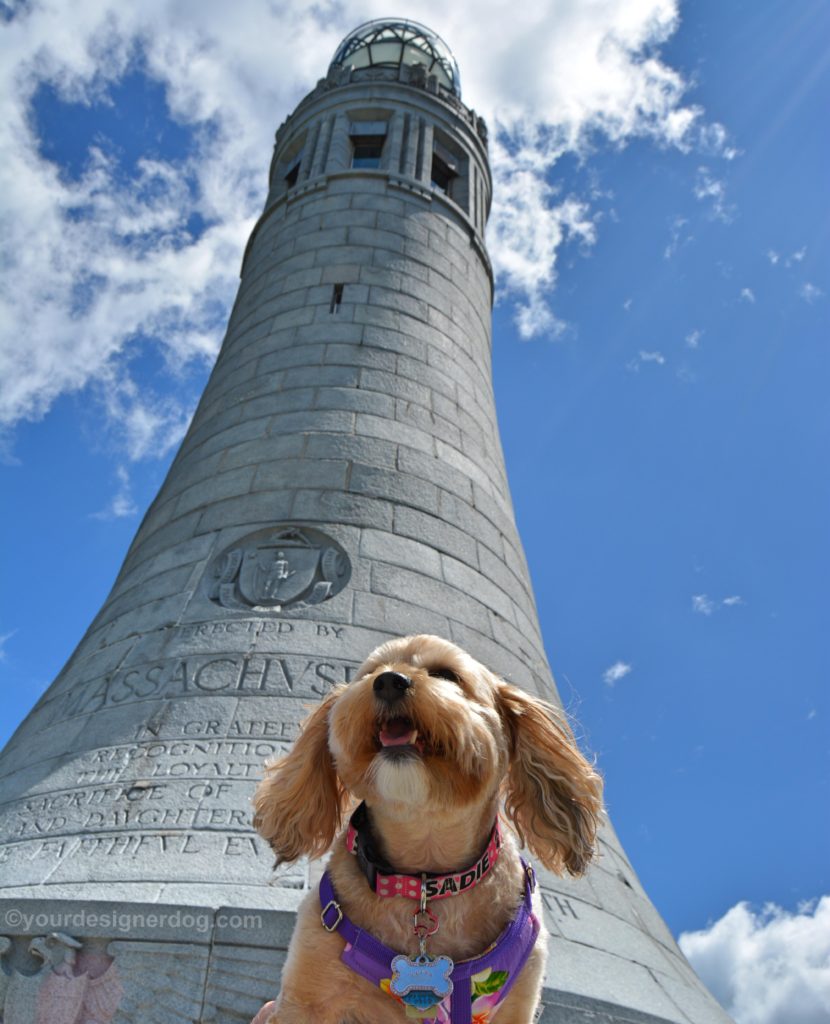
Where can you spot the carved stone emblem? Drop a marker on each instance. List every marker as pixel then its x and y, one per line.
pixel 71 985
pixel 273 569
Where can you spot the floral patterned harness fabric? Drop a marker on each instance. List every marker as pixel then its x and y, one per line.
pixel 479 985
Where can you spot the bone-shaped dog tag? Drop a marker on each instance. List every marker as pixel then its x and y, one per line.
pixel 421 981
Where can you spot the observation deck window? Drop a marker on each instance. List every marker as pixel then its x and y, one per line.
pixel 367 150
pixel 293 174
pixel 367 134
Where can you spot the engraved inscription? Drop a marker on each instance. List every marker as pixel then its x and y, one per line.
pixel 169 767
pixel 133 818
pixel 559 905
pixel 276 568
pixel 138 845
pixel 258 627
pixel 177 759
pixel 232 674
pixel 180 774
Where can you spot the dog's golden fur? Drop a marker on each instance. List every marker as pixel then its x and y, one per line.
pixel 484 742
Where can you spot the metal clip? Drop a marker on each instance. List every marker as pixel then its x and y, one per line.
pixel 325 910
pixel 424 928
pixel 531 877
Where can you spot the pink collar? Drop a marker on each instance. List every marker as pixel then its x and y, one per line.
pixel 385 881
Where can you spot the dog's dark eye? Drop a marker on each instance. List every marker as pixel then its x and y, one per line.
pixel 445 673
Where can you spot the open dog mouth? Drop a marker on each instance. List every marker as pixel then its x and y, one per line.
pixel 399 734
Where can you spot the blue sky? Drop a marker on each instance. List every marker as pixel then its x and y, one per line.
pixel 661 367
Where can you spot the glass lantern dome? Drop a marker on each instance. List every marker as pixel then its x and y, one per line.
pixel 388 43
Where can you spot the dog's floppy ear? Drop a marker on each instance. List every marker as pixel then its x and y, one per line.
pixel 299 803
pixel 553 795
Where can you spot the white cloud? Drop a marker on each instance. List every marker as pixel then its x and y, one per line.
pixel 121 504
pixel 773 256
pixel 708 189
pixel 769 966
pixel 642 357
pixel 679 236
pixel 702 604
pixel 797 256
pixel 713 138
pixel 693 338
pixel 146 425
pixel 93 262
pixel 687 375
pixel 530 229
pixel 747 295
pixel 652 357
pixel 615 673
pixel 810 292
pixel 4 639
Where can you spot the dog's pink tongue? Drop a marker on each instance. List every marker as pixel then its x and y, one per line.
pixel 398 733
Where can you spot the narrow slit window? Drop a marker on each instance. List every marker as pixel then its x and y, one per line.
pixel 293 174
pixel 442 174
pixel 336 298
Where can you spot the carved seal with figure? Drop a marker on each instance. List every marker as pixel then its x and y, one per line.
pixel 278 567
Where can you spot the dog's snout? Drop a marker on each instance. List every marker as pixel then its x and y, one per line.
pixel 391 686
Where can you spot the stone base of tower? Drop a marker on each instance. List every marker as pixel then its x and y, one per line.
pixel 164 963
pixel 142 963
pixel 175 964
pixel 129 957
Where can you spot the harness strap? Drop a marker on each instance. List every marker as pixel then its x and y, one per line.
pixel 371 959
pixel 365 946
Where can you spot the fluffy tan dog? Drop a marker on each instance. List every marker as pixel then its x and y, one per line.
pixel 433 744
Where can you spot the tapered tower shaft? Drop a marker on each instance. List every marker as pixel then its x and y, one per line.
pixel 342 482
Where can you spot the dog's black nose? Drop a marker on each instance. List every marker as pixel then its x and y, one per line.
pixel 391 686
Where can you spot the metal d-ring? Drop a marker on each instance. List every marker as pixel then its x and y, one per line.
pixel 325 910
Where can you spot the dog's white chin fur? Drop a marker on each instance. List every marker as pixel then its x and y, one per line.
pixel 404 781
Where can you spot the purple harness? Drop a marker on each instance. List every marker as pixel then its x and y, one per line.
pixel 479 985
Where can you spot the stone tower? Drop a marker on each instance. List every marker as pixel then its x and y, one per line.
pixel 342 482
